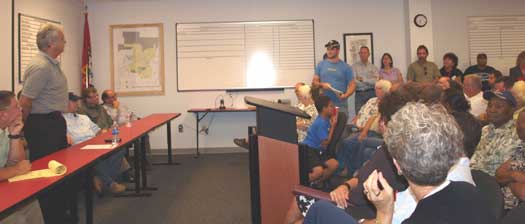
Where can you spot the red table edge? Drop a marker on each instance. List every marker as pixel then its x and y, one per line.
pixel 6 210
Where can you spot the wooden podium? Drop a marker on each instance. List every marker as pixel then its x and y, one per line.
pixel 274 160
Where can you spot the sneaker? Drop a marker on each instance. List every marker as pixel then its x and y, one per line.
pixel 117 188
pixel 241 142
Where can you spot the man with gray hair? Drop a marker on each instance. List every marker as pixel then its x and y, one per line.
pixel 473 93
pixel 44 98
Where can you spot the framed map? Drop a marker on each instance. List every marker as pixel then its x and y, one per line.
pixel 137 59
pixel 353 43
pixel 28 27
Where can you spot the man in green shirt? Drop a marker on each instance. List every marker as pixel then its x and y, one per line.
pixel 94 110
pixel 13 160
pixel 422 70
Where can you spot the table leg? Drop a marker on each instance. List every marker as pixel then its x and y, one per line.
pixel 137 157
pixel 170 158
pixel 137 165
pixel 89 195
pixel 143 167
pixel 197 153
pixel 170 148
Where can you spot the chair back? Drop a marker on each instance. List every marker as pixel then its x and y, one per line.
pixel 338 131
pixel 491 192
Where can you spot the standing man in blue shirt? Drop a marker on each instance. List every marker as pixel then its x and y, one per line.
pixel 335 77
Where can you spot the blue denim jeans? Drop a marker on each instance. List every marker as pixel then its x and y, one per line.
pixel 353 154
pixel 324 212
pixel 109 169
pixel 361 97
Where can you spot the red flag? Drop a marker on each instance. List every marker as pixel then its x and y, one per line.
pixel 87 75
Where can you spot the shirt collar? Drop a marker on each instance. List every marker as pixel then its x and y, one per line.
pixel 507 125
pixel 49 58
pixel 438 189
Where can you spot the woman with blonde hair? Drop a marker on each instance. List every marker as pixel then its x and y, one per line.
pixel 518 91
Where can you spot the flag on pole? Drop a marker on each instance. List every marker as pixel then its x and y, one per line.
pixel 87 74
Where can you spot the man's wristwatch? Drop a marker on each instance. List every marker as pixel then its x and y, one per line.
pixel 18 136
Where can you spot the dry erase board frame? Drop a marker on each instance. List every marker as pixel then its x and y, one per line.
pixel 19 56
pixel 269 88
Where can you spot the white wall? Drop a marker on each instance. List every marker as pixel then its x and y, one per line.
pixel 385 18
pixel 69 14
pixel 450 24
pixel 420 35
pixel 5 45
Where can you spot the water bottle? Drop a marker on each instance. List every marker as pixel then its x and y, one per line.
pixel 114 133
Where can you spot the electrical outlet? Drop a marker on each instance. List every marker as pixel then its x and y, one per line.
pixel 181 128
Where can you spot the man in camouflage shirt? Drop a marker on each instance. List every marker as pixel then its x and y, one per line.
pixel 511 175
pixel 498 139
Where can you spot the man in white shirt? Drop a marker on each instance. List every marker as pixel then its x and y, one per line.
pixel 115 109
pixel 80 128
pixel 472 89
pixel 366 75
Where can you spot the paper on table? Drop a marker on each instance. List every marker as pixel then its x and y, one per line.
pixel 101 146
pixel 54 169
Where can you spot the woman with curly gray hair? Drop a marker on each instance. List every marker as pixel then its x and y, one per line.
pixel 424 142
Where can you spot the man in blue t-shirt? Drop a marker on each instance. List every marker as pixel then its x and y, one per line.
pixel 321 162
pixel 335 77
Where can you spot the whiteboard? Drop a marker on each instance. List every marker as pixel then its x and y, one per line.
pixel 502 38
pixel 244 55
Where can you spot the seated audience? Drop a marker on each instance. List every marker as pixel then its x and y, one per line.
pixel 499 138
pixel 93 109
pixel 80 128
pixel 118 112
pixel 359 147
pixel 450 67
pixel 518 91
pixel 321 162
pixel 444 82
pixel 518 73
pixel 306 104
pixel 389 72
pixel 457 105
pixel 424 144
pixel 482 70
pixel 13 159
pixel 473 93
pixel 511 174
pixel 493 78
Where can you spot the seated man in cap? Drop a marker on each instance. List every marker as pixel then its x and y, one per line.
pixel 80 128
pixel 499 138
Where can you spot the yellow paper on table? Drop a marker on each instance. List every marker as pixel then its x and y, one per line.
pixel 54 169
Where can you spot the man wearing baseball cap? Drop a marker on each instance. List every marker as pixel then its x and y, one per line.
pixel 499 138
pixel 335 77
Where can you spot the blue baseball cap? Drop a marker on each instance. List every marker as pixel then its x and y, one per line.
pixel 505 95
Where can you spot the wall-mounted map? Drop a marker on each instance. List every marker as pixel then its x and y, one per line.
pixel 137 59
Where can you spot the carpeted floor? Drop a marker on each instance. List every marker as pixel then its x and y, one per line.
pixel 214 188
